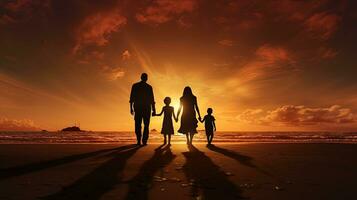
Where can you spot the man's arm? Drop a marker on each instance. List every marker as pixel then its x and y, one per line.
pixel 131 101
pixel 131 108
pixel 152 101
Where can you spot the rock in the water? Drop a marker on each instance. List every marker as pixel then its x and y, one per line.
pixel 278 188
pixel 229 174
pixel 184 184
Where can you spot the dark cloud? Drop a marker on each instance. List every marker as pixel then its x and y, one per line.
pixel 22 10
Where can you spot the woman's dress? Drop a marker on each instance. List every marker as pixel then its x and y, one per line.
pixel 188 117
pixel 167 126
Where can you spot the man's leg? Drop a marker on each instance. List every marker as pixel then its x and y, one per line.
pixel 146 118
pixel 138 120
pixel 211 138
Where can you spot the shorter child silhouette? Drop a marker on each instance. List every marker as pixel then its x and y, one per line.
pixel 210 125
pixel 167 126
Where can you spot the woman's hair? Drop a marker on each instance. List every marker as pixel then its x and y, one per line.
pixel 187 92
pixel 167 100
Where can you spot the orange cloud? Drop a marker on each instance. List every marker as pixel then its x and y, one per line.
pixel 249 115
pixel 91 57
pixel 161 11
pixel 272 54
pixel 96 29
pixel 126 55
pixel 327 53
pixel 268 61
pixel 6 19
pixel 17 125
pixel 292 115
pixel 18 5
pixel 112 73
pixel 322 25
pixel 184 22
pixel 228 43
pixel 295 10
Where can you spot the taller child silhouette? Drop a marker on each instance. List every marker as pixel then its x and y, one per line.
pixel 141 103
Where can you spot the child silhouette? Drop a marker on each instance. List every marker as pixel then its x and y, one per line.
pixel 167 126
pixel 210 125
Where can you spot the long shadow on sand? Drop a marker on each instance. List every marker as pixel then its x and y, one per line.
pixel 140 184
pixel 101 180
pixel 207 179
pixel 38 166
pixel 242 159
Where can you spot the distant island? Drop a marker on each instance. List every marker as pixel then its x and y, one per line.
pixel 72 128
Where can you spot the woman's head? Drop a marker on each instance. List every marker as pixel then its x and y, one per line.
pixel 167 100
pixel 187 92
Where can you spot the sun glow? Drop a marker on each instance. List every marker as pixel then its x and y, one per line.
pixel 176 104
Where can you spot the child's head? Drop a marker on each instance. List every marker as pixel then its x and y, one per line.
pixel 167 100
pixel 209 111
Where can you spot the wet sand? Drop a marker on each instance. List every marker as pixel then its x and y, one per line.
pixel 223 171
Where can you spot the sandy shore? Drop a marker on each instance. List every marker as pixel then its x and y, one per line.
pixel 223 171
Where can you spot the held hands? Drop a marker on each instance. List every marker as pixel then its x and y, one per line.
pixel 154 113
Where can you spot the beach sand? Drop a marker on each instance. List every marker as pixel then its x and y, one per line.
pixel 223 171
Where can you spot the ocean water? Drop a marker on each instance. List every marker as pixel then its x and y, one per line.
pixel 129 137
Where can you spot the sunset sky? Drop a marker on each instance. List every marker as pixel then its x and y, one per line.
pixel 286 65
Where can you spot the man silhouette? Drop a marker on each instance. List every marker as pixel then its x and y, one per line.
pixel 141 102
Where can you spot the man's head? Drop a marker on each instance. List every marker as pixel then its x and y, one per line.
pixel 144 77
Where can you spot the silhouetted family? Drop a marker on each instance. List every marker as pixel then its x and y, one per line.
pixel 142 103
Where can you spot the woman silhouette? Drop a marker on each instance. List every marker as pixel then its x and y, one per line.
pixel 188 105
